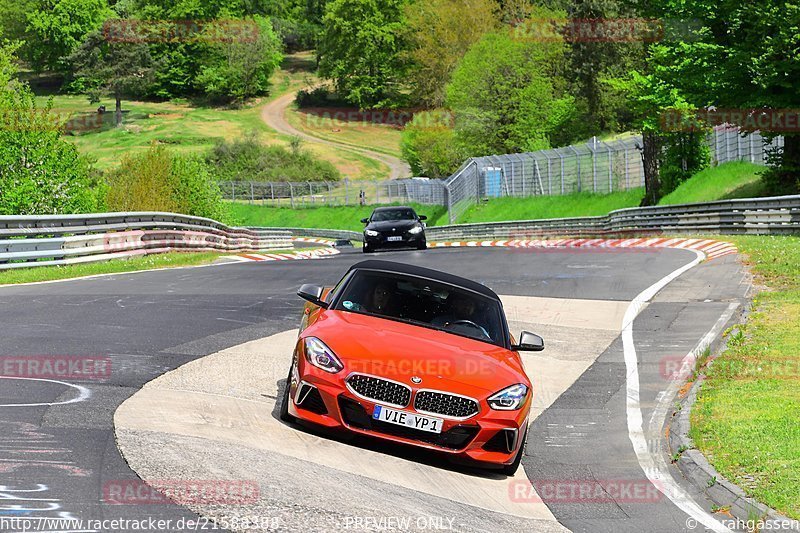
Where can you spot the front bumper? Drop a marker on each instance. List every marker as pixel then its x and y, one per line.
pixel 406 239
pixel 488 437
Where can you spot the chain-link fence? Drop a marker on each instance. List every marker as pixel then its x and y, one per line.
pixel 336 193
pixel 727 144
pixel 596 166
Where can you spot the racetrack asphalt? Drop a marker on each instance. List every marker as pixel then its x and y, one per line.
pixel 58 458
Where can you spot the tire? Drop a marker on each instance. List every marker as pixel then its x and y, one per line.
pixel 422 246
pixel 511 469
pixel 284 411
pixel 366 249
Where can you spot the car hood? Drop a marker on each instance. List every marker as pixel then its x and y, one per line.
pixel 398 351
pixel 401 225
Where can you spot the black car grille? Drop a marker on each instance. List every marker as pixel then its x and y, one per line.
pixel 455 438
pixel 380 390
pixel 441 403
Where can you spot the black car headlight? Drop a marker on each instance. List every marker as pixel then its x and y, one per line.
pixel 415 230
pixel 370 233
pixel 509 399
pixel 322 357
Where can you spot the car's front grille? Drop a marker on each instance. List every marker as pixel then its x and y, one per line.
pixel 380 390
pixel 455 438
pixel 441 403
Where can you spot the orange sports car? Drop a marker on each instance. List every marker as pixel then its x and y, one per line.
pixel 415 356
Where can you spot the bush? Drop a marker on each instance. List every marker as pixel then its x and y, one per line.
pixel 247 159
pixel 318 97
pixel 157 180
pixel 40 173
pixel 241 68
pixel 430 146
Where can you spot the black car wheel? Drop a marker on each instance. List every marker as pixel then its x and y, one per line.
pixel 422 246
pixel 284 411
pixel 366 249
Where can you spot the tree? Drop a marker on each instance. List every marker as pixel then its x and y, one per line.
pixel 40 172
pixel 430 146
pixel 507 94
pixel 57 27
pixel 592 60
pixel 124 69
pixel 361 50
pixel 440 32
pixel 239 69
pixel 678 155
pixel 741 55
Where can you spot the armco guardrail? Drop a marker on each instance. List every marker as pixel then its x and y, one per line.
pixel 335 234
pixel 49 240
pixel 758 216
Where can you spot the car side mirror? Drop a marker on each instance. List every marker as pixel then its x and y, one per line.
pixel 423 217
pixel 529 342
pixel 364 220
pixel 313 294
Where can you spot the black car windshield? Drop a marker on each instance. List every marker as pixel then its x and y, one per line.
pixel 386 215
pixel 424 302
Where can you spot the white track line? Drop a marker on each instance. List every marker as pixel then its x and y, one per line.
pixel 84 393
pixel 655 472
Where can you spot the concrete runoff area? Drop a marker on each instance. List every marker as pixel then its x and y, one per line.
pixel 148 324
pixel 226 402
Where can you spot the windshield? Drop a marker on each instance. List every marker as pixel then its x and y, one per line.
pixel 424 302
pixel 393 214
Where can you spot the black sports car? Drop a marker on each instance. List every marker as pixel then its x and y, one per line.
pixel 394 227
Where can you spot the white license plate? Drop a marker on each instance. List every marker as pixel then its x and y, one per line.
pixel 410 420
pixel 394 238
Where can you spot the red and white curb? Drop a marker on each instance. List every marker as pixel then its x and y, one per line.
pixel 316 240
pixel 311 254
pixel 711 248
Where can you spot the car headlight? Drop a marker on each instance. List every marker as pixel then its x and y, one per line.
pixel 370 233
pixel 509 399
pixel 321 356
pixel 415 230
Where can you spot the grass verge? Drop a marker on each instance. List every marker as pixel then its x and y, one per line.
pixel 569 205
pixel 739 179
pixel 747 416
pixel 340 217
pixel 114 266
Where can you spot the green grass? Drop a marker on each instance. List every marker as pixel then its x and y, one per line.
pixel 189 128
pixel 343 217
pixel 739 179
pixel 50 273
pixel 569 205
pixel 747 416
pixel 380 138
pixel 731 180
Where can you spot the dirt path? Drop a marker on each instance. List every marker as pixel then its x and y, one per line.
pixel 274 115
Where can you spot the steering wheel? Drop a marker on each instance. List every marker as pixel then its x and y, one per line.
pixel 471 324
